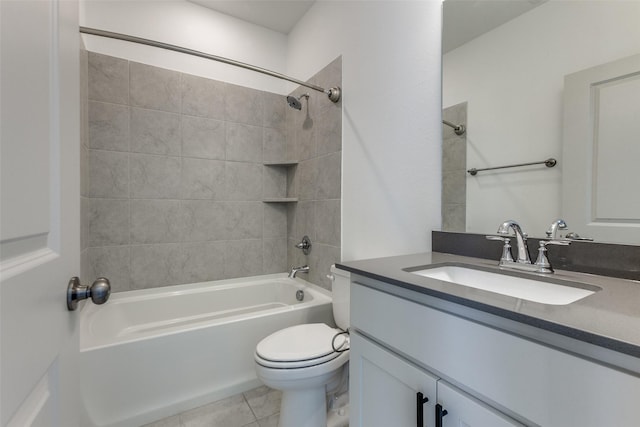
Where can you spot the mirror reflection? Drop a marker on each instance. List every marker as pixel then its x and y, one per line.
pixel 506 83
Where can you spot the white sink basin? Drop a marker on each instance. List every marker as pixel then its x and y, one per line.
pixel 517 287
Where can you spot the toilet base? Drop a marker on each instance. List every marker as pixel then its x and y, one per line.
pixel 303 408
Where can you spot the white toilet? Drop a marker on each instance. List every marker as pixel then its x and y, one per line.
pixel 300 361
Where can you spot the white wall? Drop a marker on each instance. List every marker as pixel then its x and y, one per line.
pixel 192 26
pixel 512 78
pixel 391 117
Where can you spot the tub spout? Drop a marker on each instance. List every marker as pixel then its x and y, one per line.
pixel 296 270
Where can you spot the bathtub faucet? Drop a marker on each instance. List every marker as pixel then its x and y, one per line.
pixel 296 270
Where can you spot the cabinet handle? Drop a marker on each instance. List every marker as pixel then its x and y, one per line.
pixel 440 413
pixel 420 401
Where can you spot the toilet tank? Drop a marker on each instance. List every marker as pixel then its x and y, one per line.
pixel 341 297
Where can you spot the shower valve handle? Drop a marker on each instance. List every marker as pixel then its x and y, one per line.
pixel 305 245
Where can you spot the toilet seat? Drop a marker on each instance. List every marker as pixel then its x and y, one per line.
pixel 299 346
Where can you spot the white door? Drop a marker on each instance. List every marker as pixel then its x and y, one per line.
pixel 383 388
pixel 601 153
pixel 463 410
pixel 39 211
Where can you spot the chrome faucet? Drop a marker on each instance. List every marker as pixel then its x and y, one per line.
pixel 521 240
pixel 296 270
pixel 542 264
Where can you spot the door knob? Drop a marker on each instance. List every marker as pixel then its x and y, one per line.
pixel 98 292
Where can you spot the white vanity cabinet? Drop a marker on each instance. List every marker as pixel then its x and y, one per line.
pixel 389 391
pixel 384 388
pixel 480 375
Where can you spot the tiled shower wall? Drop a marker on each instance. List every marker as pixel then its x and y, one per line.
pixel 454 170
pixel 175 179
pixel 314 138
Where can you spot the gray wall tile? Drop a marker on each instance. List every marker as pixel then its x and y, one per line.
pixel 274 255
pixel 108 79
pixel 329 132
pixel 203 97
pixel 183 179
pixel 275 220
pixel 202 179
pixel 112 262
pixel 154 88
pixel 320 261
pixel 454 165
pixel 84 222
pixel 155 265
pixel 203 138
pixel 244 220
pixel 274 145
pixel 155 177
pixel 454 217
pixel 108 126
pixel 329 176
pixel 305 221
pixel 243 258
pixel 307 179
pixel 295 257
pixel 314 136
pixel 108 222
pixel 243 181
pixel 328 222
pixel 454 187
pixel 244 105
pixel 84 171
pixel 156 221
pixel 204 220
pixel 108 174
pixel 274 110
pixel 274 181
pixel 203 261
pixel 244 143
pixel 306 140
pixel 155 132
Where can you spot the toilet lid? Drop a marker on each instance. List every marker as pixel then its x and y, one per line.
pixel 300 342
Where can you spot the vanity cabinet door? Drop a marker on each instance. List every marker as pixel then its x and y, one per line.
pixel 384 388
pixel 463 410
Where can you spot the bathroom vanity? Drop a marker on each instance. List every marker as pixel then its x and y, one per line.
pixel 460 356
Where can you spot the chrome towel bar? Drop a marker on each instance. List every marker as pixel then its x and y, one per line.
pixel 551 162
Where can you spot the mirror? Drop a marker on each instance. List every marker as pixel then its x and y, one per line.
pixel 505 82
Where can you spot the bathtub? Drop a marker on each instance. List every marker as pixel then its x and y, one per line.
pixel 152 353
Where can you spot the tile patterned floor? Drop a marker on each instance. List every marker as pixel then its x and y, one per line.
pixel 254 408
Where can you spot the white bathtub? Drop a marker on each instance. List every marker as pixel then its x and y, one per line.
pixel 153 353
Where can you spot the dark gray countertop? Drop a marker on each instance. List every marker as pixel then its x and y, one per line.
pixel 609 318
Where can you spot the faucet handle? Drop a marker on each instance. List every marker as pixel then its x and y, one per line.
pixel 543 264
pixel 556 225
pixel 506 249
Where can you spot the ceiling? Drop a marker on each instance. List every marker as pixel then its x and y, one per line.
pixel 277 15
pixel 464 20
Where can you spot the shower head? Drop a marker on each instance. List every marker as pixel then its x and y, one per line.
pixel 295 102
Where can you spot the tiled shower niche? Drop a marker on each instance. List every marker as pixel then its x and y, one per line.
pixel 175 180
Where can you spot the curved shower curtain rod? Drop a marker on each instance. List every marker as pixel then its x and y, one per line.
pixel 333 93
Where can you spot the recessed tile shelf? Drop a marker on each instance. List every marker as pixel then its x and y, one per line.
pixel 286 165
pixel 283 164
pixel 280 200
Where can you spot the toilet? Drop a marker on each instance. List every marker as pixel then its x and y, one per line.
pixel 301 362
